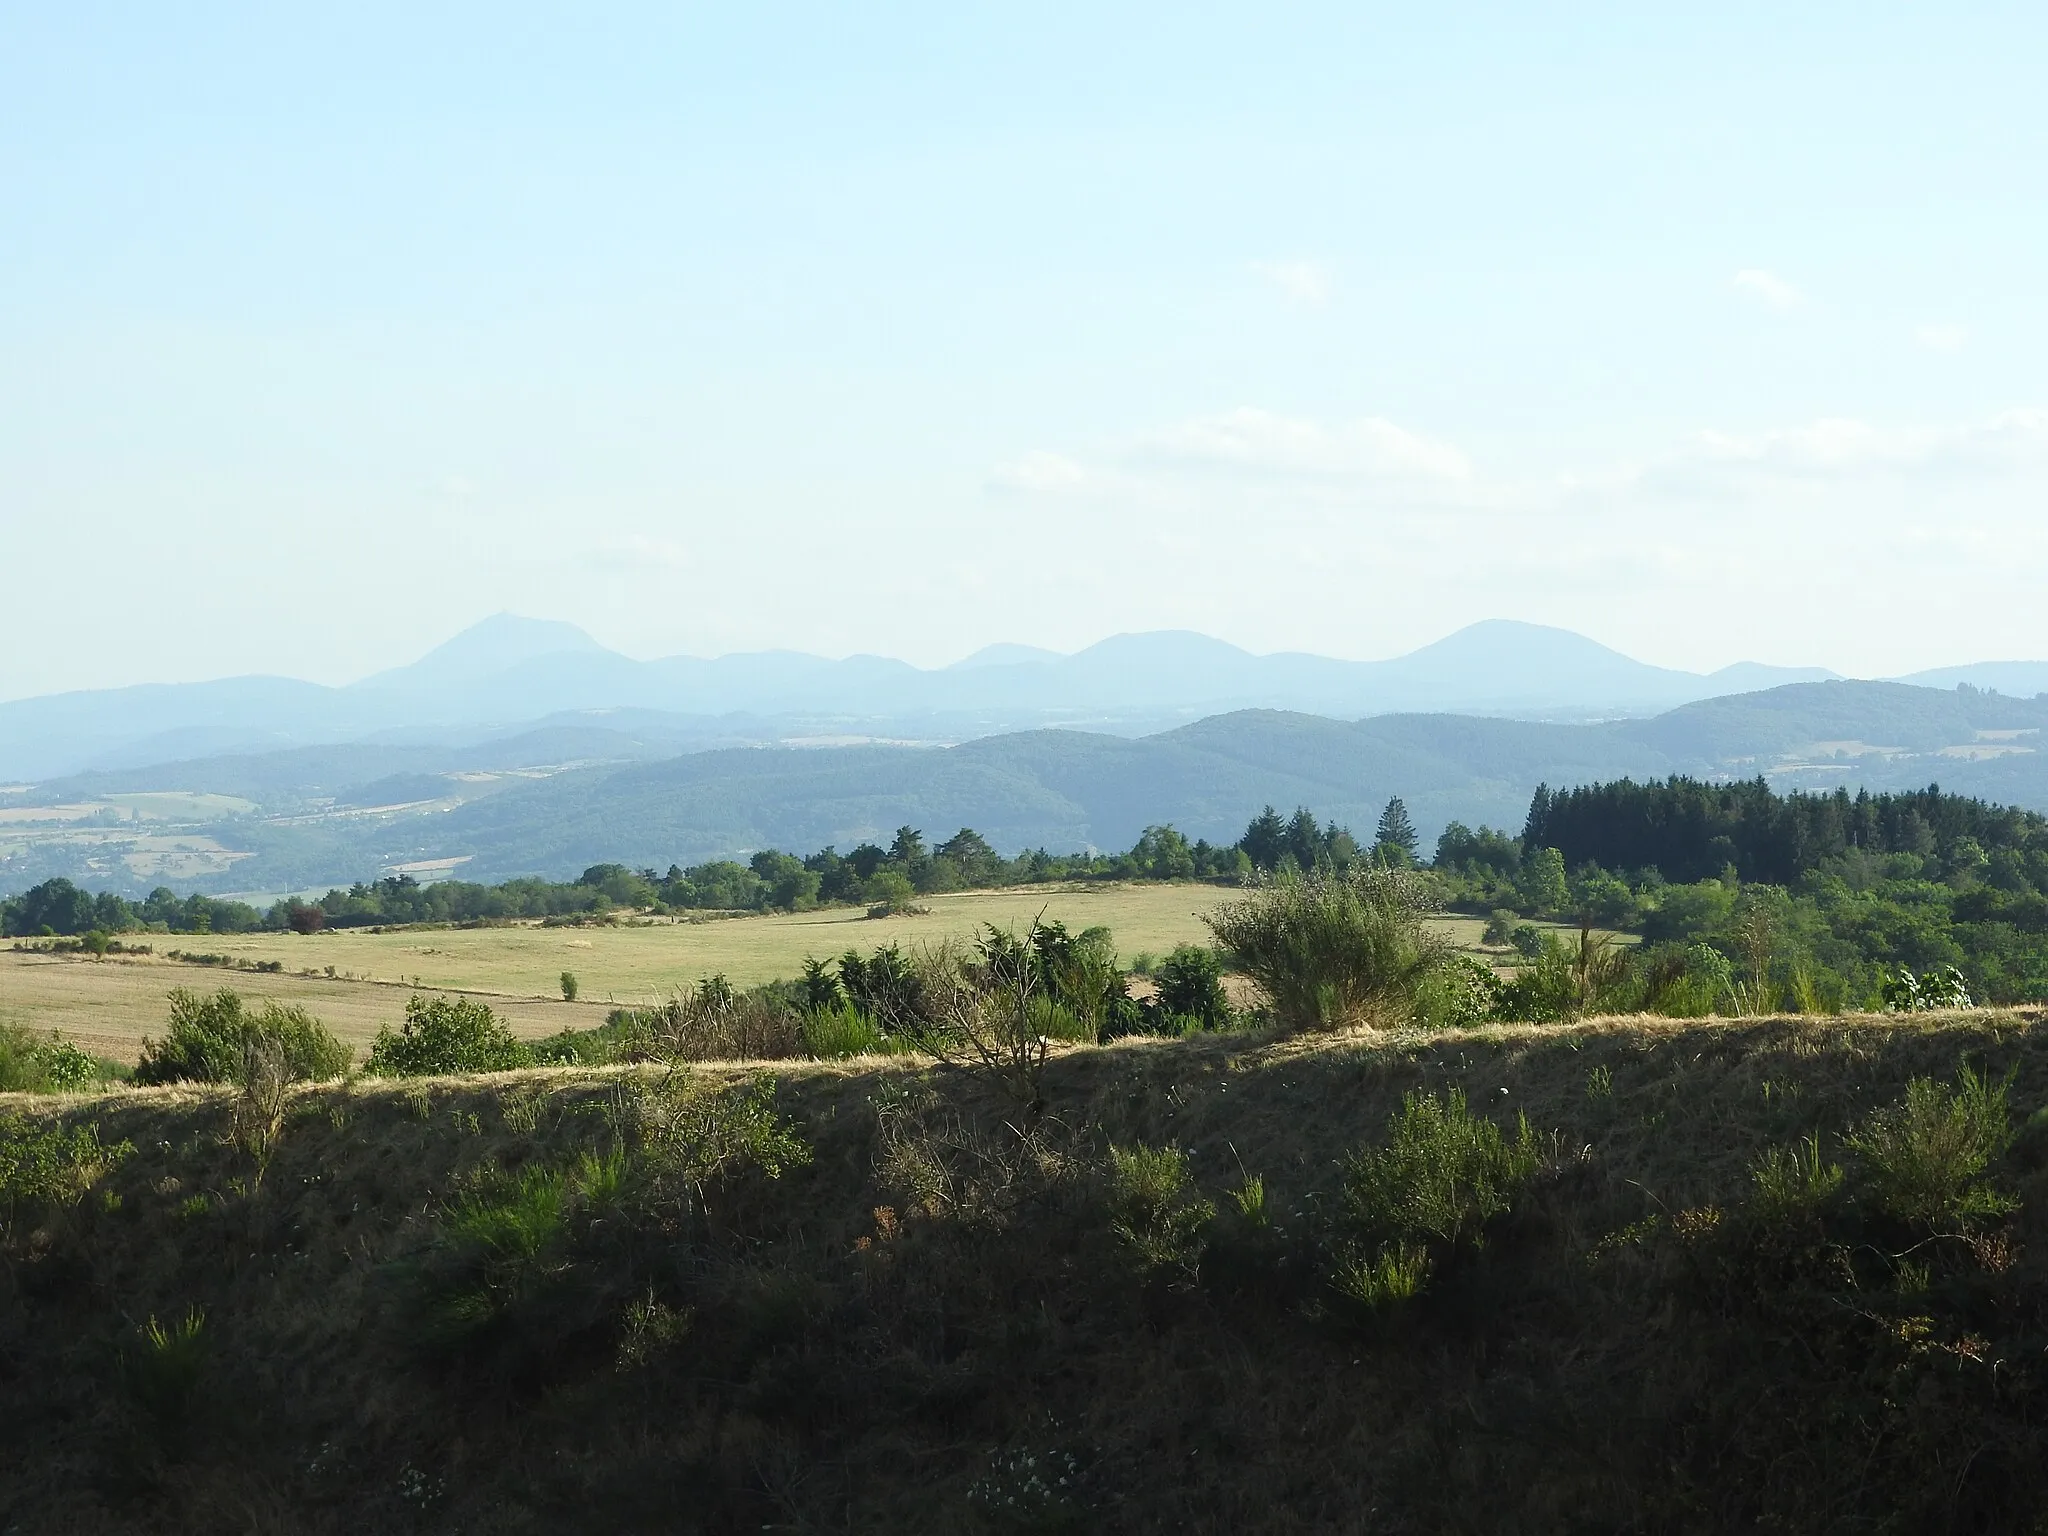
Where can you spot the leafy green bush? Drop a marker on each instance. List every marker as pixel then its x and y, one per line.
pixel 1334 950
pixel 1155 1209
pixel 1457 994
pixel 1925 1155
pixel 1903 992
pixel 212 1040
pixel 447 1034
pixel 29 1064
pixel 1442 1176
pixel 1189 985
pixel 47 1166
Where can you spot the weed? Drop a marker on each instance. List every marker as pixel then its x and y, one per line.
pixel 1029 1490
pixel 1250 1199
pixel 1392 1274
pixel 1600 1083
pixel 1155 1209
pixel 650 1328
pixel 1924 1156
pixel 843 1030
pixel 161 1371
pixel 521 1110
pixel 1793 1184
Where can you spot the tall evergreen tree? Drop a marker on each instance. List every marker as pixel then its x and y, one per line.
pixel 1265 840
pixel 1396 831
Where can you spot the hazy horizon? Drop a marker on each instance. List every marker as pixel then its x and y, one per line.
pixel 1713 338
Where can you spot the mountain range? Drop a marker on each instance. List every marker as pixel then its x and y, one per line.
pixel 556 797
pixel 503 675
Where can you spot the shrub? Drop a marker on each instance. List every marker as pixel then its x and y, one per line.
pixel 447 1034
pixel 1943 987
pixel 1334 950
pixel 713 1023
pixel 46 1167
pixel 1442 1176
pixel 1189 984
pixel 692 1139
pixel 1155 1209
pixel 1501 922
pixel 29 1064
pixel 1459 993
pixel 569 986
pixel 211 1039
pixel 1925 1154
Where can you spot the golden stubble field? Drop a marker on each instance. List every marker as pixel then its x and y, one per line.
pixel 108 1006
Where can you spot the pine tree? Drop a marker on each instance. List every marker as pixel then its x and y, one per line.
pixel 1395 831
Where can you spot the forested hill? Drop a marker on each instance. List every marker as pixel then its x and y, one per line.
pixel 557 801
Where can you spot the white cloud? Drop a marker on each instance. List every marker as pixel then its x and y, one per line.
pixel 1045 474
pixel 1767 287
pixel 1305 282
pixel 1942 338
pixel 1843 445
pixel 1261 443
pixel 631 553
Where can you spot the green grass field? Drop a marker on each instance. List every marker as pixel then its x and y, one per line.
pixel 109 1006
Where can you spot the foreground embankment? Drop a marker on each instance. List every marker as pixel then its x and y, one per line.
pixel 1623 1275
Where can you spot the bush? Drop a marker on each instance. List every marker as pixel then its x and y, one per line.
pixel 1943 987
pixel 1334 950
pixel 713 1023
pixel 1442 1176
pixel 46 1166
pixel 1459 993
pixel 447 1034
pixel 53 1065
pixel 1925 1154
pixel 212 1040
pixel 1189 985
pixel 569 986
pixel 1501 922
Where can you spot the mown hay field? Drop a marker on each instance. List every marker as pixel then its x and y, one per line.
pixel 108 1006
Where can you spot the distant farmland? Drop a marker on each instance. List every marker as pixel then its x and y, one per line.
pixel 109 1006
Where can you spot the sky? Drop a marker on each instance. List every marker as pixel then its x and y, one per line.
pixel 904 330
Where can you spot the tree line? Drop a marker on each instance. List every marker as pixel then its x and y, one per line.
pixel 869 874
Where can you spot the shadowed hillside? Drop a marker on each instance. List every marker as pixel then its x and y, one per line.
pixel 859 1298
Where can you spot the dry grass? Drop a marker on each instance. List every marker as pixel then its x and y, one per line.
pixel 886 1329
pixel 107 1007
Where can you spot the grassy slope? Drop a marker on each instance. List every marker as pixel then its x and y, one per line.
pixel 1549 1385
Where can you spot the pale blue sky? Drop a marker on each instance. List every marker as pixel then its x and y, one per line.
pixel 1315 327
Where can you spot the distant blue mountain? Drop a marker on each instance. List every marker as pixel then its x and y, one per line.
pixel 2016 679
pixel 508 672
